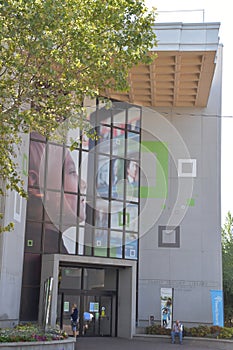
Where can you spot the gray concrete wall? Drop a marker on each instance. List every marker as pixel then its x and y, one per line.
pixel 192 203
pixel 67 344
pixel 12 248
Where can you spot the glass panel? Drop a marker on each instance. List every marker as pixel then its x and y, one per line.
pixel 116 244
pixel 54 167
pixel 34 205
pixel 132 192
pixel 118 142
pixel 69 301
pixel 73 135
pixel 101 218
pixel 118 178
pixel 133 146
pixel 104 134
pixel 83 170
pixel 36 180
pixel 117 215
pixel 100 243
pixel 104 116
pixel 91 316
pixel 93 278
pixel 131 219
pixel 119 119
pixel 33 237
pixel 134 122
pixel 131 245
pixel 71 171
pixel 52 239
pixel 85 141
pixel 105 315
pixel 69 239
pixel 36 136
pixel 70 277
pixel 81 241
pixel 103 176
pixel 132 174
pixel 82 209
pixel 52 207
pixel 69 210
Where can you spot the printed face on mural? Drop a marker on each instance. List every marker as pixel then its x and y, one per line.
pixel 57 168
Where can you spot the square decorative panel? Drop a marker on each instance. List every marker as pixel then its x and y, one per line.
pixel 169 236
pixel 187 167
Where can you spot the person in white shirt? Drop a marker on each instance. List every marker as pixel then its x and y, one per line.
pixel 177 330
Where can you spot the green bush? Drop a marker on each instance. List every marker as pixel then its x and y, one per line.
pixel 30 333
pixel 157 329
pixel 199 331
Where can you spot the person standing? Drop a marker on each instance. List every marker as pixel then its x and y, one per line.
pixel 74 319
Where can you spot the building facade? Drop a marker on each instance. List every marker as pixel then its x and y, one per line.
pixel 119 219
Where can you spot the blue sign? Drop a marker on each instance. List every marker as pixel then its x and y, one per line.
pixel 217 307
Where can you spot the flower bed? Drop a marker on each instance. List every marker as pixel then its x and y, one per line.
pixel 30 333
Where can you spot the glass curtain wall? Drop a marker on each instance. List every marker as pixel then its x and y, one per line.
pixel 84 201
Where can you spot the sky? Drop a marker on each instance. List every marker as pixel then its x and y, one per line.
pixel 210 11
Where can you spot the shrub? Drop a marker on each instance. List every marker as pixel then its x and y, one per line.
pixel 157 329
pixel 199 331
pixel 30 333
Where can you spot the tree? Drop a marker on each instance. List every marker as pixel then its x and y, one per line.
pixel 53 53
pixel 227 262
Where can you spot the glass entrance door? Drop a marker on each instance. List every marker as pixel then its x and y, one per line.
pixel 97 316
pixel 95 313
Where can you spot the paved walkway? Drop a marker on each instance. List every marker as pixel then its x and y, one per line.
pixel 153 343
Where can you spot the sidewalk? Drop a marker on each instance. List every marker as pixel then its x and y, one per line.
pixel 150 343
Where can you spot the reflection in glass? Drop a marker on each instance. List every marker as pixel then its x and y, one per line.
pixel 134 122
pixel 104 139
pixel 102 180
pixel 93 278
pixel 116 244
pixel 69 212
pixel 34 205
pixel 131 246
pixel 131 217
pixel 132 172
pixel 117 215
pixel 73 135
pixel 100 243
pixel 81 241
pixel 54 167
pixel 70 277
pixel 85 141
pixel 101 213
pixel 119 119
pixel 133 146
pixel 83 170
pixel 52 206
pixel 118 178
pixel 69 239
pixel 118 142
pixel 132 191
pixel 36 166
pixel 52 240
pixel 70 169
pixel 101 218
